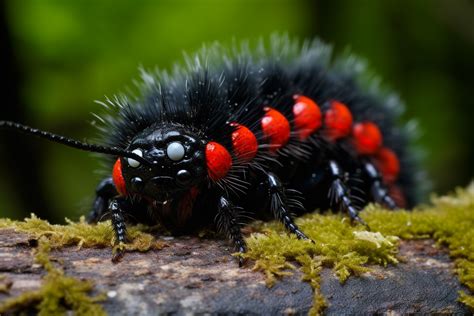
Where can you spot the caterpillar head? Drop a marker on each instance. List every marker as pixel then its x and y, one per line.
pixel 176 163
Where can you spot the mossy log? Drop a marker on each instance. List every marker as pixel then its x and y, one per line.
pixel 197 275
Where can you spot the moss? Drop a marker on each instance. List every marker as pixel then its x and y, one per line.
pixel 345 248
pixel 58 293
pixel 351 249
pixel 81 234
pixel 450 221
pixel 338 245
pixel 5 284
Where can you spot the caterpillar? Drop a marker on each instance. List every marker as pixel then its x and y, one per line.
pixel 233 134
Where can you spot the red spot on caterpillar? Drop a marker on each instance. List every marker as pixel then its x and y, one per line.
pixel 218 160
pixel 388 164
pixel 337 120
pixel 367 138
pixel 244 142
pixel 307 116
pixel 276 128
pixel 118 179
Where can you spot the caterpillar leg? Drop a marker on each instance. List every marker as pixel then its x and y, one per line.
pixel 116 208
pixel 105 191
pixel 339 193
pixel 378 189
pixel 227 223
pixel 279 205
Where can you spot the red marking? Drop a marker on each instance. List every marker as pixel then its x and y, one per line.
pixel 307 116
pixel 194 192
pixel 367 138
pixel 388 164
pixel 397 195
pixel 338 121
pixel 118 179
pixel 218 160
pixel 185 206
pixel 276 128
pixel 244 142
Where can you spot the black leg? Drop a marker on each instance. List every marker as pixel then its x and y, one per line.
pixel 116 208
pixel 279 205
pixel 104 193
pixel 339 193
pixel 377 188
pixel 227 223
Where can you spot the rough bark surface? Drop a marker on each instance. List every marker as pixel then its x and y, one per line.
pixel 195 275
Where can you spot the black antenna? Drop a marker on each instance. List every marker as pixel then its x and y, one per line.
pixel 72 142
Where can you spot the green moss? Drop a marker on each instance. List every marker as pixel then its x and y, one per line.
pixel 5 284
pixel 81 234
pixel 346 249
pixel 58 293
pixel 450 221
pixel 350 250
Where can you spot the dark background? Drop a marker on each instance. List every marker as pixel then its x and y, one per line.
pixel 59 56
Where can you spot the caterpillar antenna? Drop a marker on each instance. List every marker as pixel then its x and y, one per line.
pixel 71 142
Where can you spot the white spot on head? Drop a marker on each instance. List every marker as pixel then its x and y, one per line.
pixel 175 151
pixel 132 162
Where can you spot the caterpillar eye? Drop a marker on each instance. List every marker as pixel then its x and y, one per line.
pixel 175 151
pixel 132 162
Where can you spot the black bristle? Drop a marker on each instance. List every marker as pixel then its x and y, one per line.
pixel 219 86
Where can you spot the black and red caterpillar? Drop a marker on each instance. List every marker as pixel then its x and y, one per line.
pixel 275 133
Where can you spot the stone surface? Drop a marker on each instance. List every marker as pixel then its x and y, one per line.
pixel 195 275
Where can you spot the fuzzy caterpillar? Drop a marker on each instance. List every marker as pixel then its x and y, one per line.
pixel 235 134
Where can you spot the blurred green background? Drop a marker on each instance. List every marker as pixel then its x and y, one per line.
pixel 59 56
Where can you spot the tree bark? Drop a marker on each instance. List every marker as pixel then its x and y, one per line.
pixel 194 275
